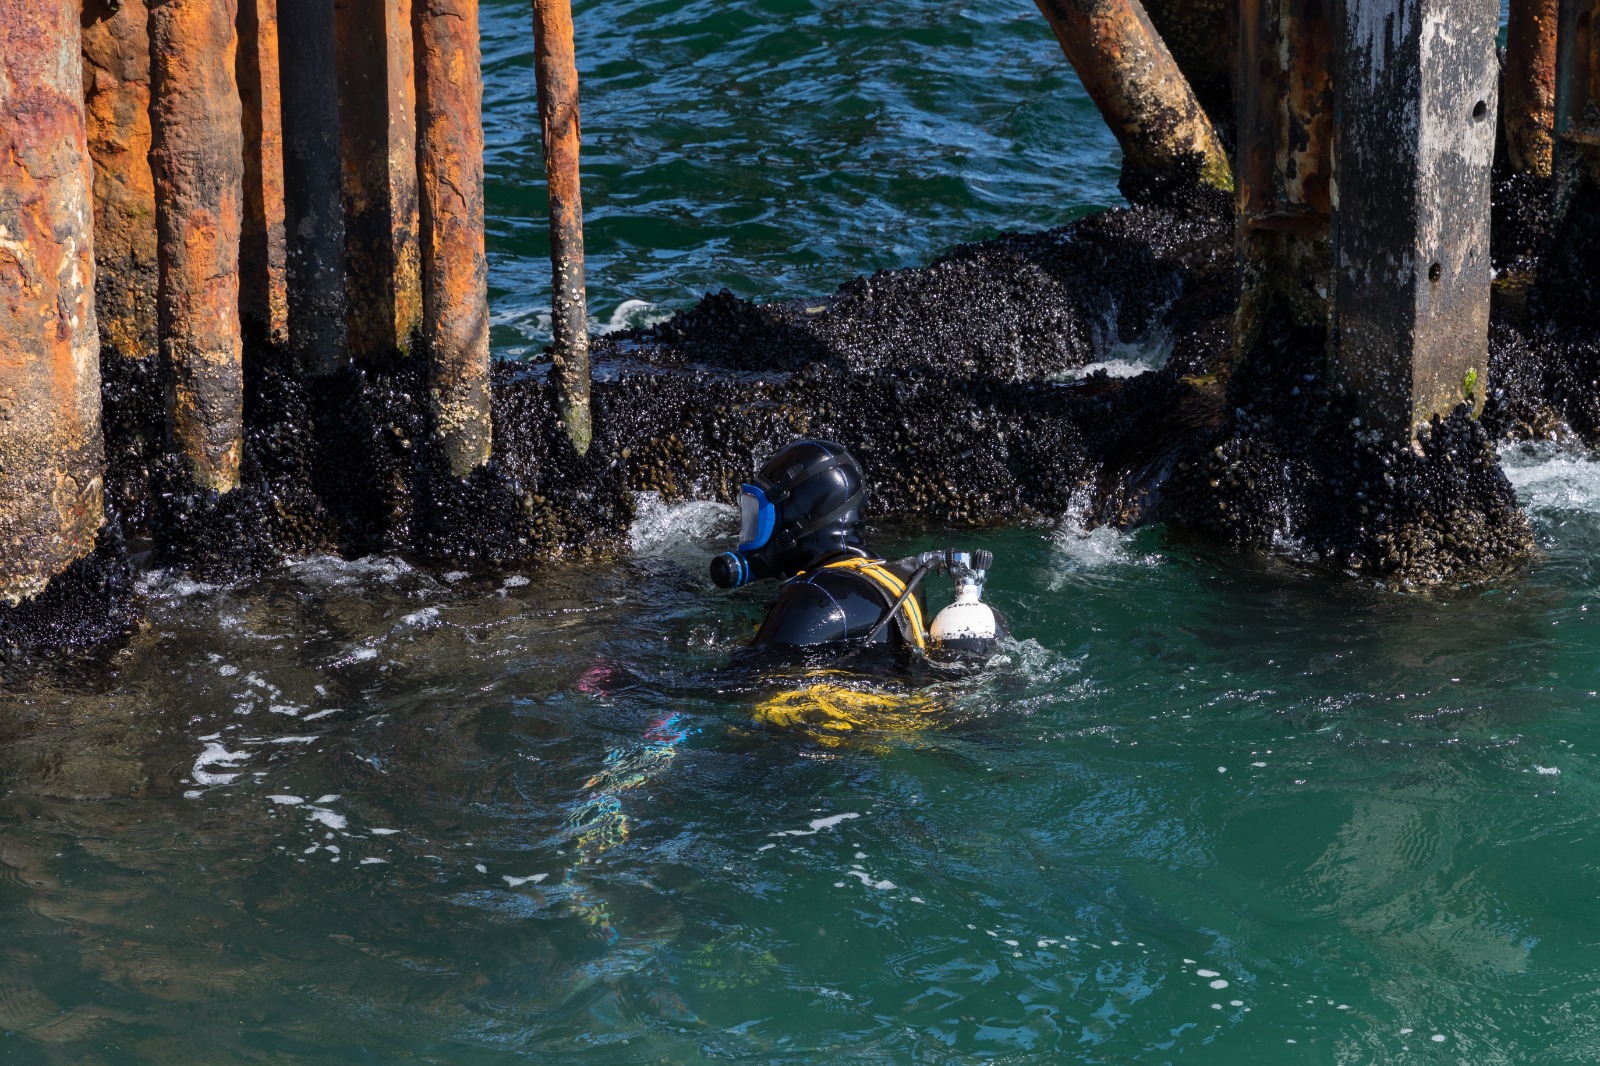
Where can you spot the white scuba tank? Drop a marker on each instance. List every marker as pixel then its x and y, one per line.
pixel 968 618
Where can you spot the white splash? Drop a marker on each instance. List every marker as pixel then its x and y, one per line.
pixel 1550 479
pixel 658 524
pixel 1128 359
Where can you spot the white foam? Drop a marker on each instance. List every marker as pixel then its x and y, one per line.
pixel 286 801
pixel 215 754
pixel 170 584
pixel 817 825
pixel 881 886
pixel 1550 771
pixel 425 617
pixel 328 818
pixel 658 524
pixel 1552 479
pixel 368 861
pixel 332 571
pixel 517 882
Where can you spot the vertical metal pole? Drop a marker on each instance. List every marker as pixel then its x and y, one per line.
pixel 556 69
pixel 455 273
pixel 1528 111
pixel 1166 138
pixel 263 250
pixel 1414 143
pixel 52 461
pixel 1284 170
pixel 313 191
pixel 378 141
pixel 198 162
pixel 116 89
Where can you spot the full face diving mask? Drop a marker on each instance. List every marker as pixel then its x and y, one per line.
pixel 757 518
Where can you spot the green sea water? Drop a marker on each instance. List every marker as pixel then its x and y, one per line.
pixel 1206 809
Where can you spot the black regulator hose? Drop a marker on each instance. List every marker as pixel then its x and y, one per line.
pixel 911 586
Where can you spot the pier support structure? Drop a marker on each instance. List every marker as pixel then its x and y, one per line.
pixel 51 452
pixel 116 89
pixel 1167 140
pixel 1366 144
pixel 556 72
pixel 1284 169
pixel 313 187
pixel 1418 82
pixel 378 143
pixel 1528 109
pixel 198 162
pixel 455 273
pixel 263 249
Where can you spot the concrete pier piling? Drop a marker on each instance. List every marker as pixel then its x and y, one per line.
pixel 116 89
pixel 197 158
pixel 556 71
pixel 51 452
pixel 263 246
pixel 378 146
pixel 1528 107
pixel 313 187
pixel 455 273
pixel 1417 82
pixel 1167 140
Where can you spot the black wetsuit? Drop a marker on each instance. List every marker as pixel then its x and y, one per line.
pixel 828 604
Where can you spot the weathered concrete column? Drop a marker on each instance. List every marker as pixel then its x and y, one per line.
pixel 1284 166
pixel 313 186
pixel 198 161
pixel 455 272
pixel 51 453
pixel 263 247
pixel 1528 109
pixel 378 138
pixel 116 90
pixel 1166 137
pixel 556 70
pixel 1413 147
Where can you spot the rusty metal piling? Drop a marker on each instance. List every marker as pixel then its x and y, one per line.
pixel 1528 106
pixel 1167 140
pixel 378 145
pixel 556 70
pixel 116 89
pixel 455 274
pixel 198 161
pixel 263 249
pixel 1284 166
pixel 51 454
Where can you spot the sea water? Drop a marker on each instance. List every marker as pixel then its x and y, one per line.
pixel 1205 809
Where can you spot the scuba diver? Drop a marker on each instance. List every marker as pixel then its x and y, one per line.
pixel 800 520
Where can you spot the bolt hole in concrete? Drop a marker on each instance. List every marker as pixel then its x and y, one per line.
pixel 1434 272
pixel 1480 111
